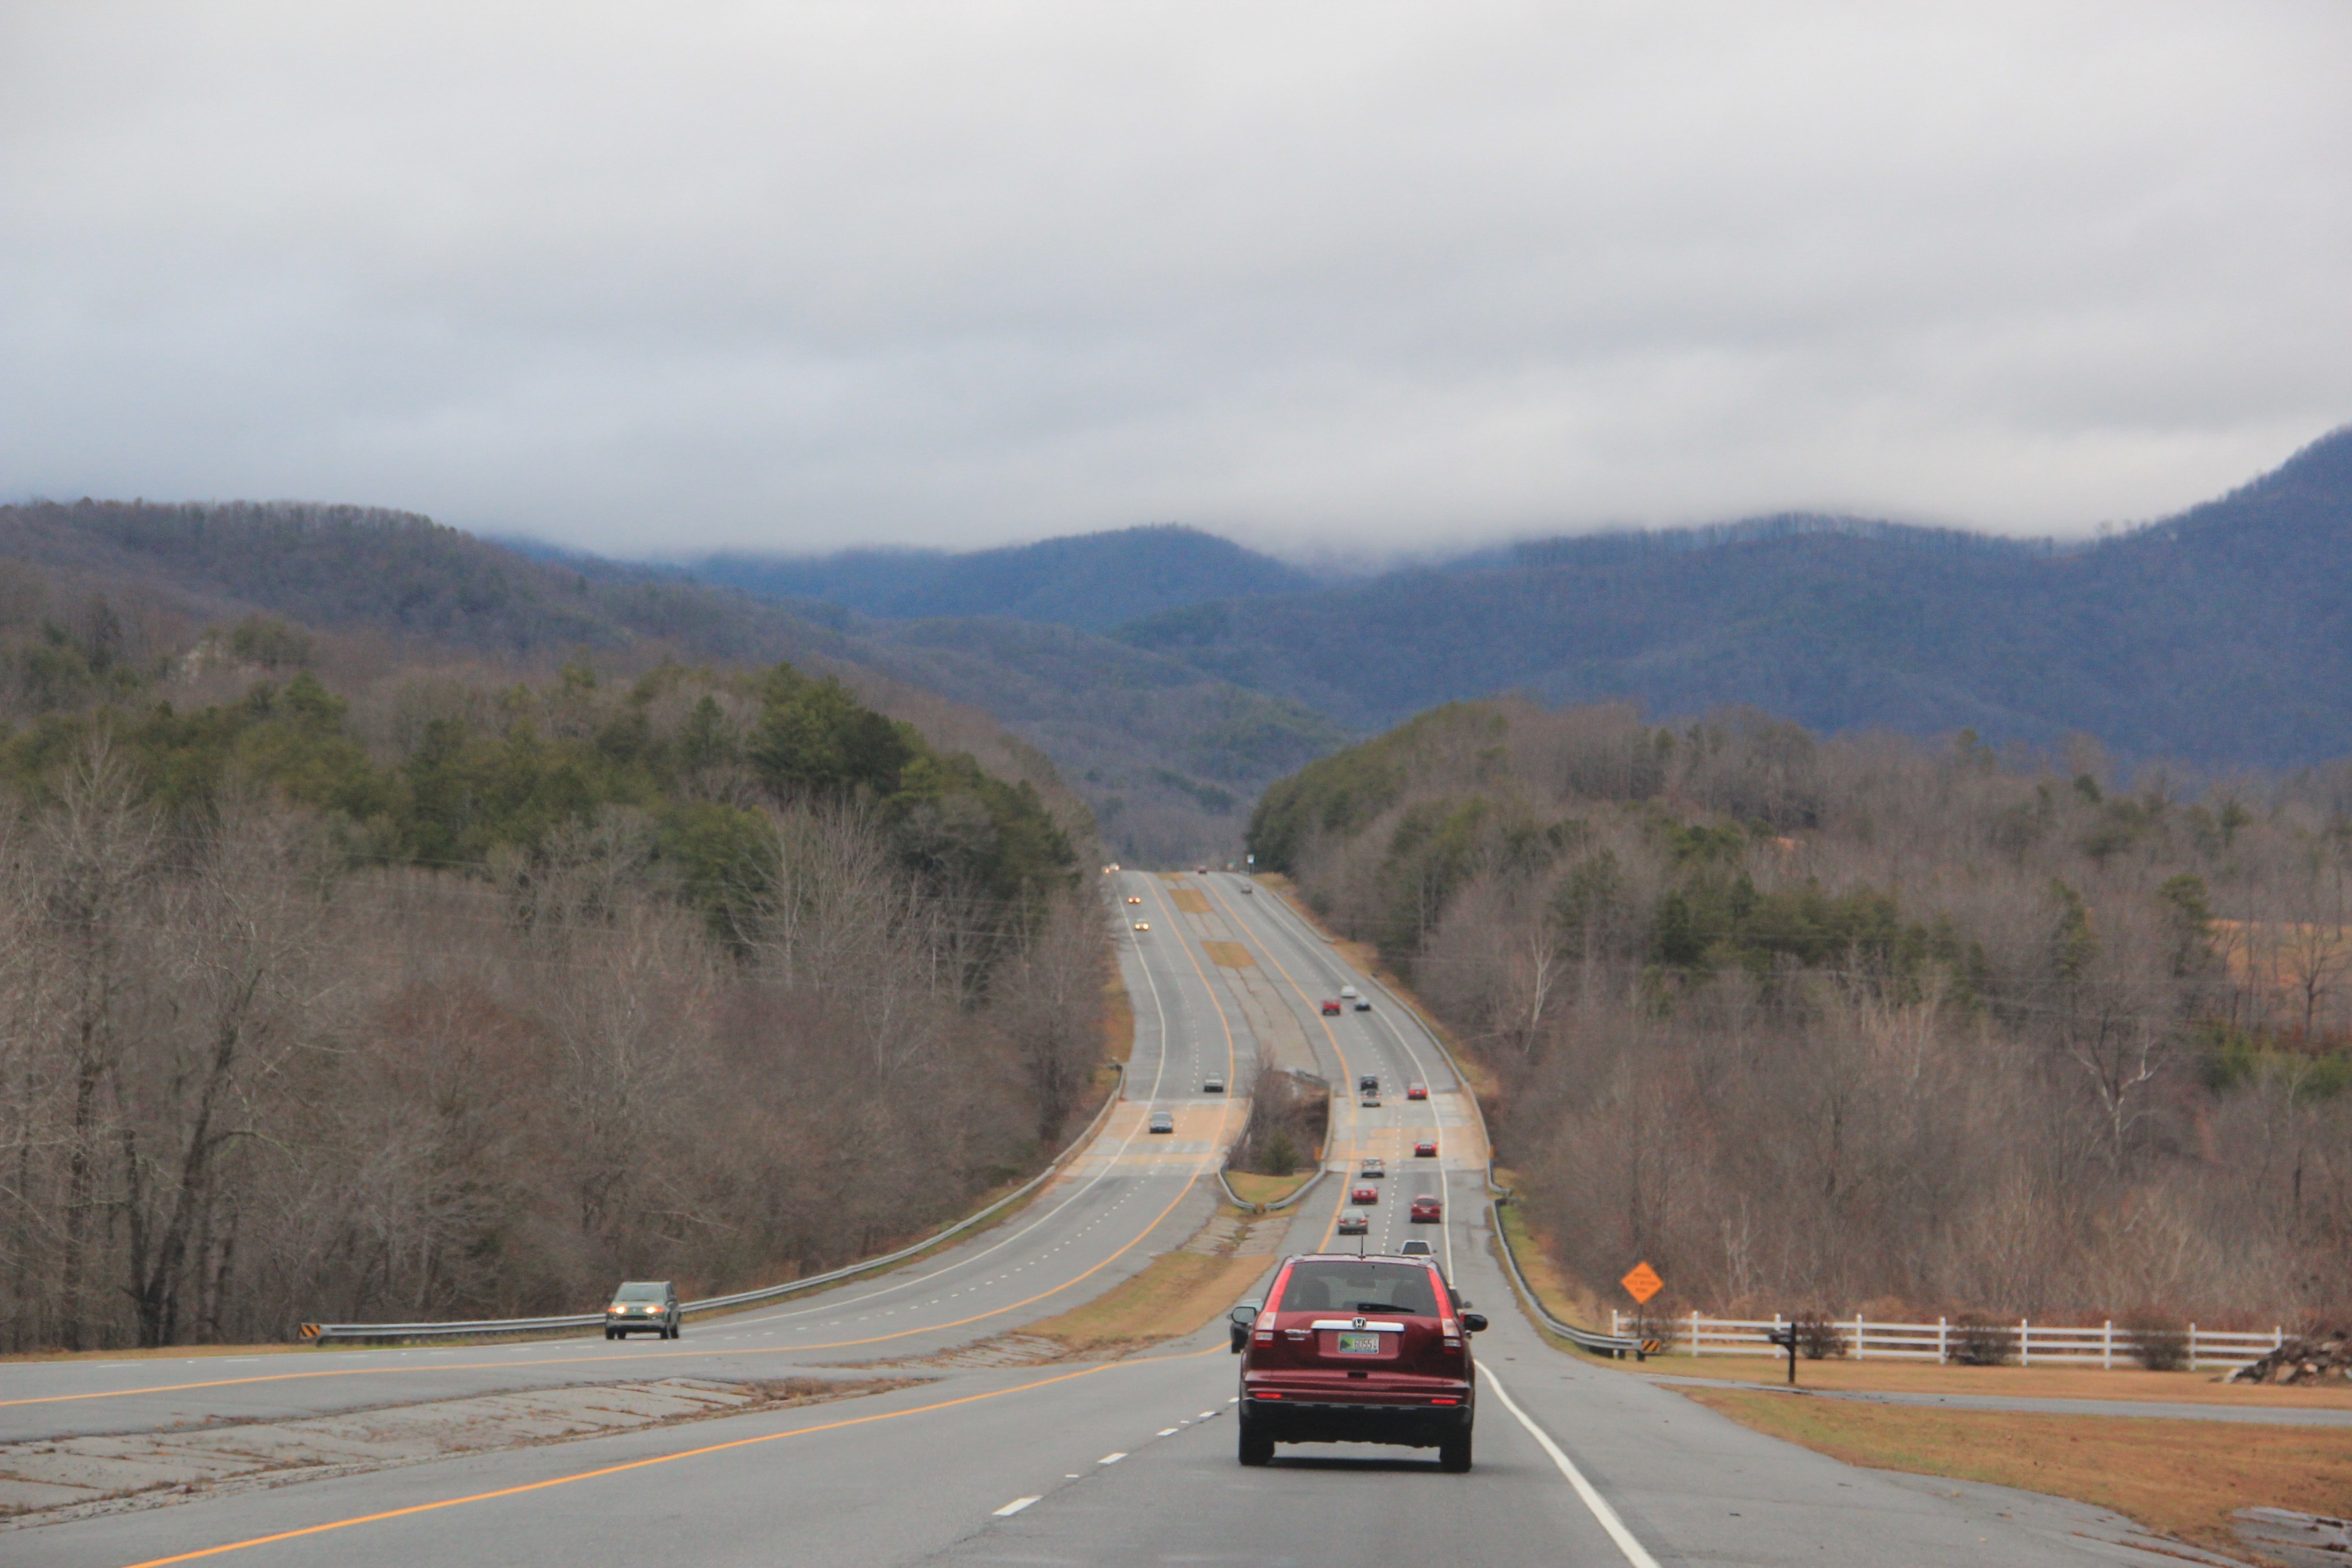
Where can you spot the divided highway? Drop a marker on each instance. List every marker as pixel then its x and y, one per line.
pixel 996 1456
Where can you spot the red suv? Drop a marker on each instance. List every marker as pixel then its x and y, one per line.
pixel 1357 1350
pixel 1330 1006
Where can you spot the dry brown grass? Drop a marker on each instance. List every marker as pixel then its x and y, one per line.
pixel 1118 1020
pixel 2182 1479
pixel 1191 901
pixel 1559 1297
pixel 1252 1188
pixel 1231 954
pixel 2022 1382
pixel 1177 1294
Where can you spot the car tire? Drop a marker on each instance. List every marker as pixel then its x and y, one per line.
pixel 1453 1454
pixel 1257 1448
pixel 608 1333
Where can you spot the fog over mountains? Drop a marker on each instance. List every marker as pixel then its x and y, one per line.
pixel 2221 636
pixel 1169 674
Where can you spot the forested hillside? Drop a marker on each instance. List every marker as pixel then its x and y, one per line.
pixel 2222 637
pixel 1821 1025
pixel 1168 758
pixel 365 979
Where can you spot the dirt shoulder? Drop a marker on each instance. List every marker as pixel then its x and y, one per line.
pixel 2173 1477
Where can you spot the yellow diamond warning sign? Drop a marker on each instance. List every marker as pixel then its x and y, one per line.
pixel 1642 1283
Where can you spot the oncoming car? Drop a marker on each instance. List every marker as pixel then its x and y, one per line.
pixel 1144 925
pixel 643 1304
pixel 1357 1350
pixel 1133 898
pixel 1363 1004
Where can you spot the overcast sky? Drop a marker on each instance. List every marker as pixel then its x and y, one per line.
pixel 1342 276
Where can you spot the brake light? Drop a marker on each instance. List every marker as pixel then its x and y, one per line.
pixel 1266 1394
pixel 1446 1402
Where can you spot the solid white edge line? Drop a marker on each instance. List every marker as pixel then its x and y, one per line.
pixel 1016 1506
pixel 1634 1551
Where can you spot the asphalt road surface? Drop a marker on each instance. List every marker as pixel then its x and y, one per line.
pixel 1127 1461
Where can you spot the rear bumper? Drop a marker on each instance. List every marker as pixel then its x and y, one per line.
pixel 1418 1425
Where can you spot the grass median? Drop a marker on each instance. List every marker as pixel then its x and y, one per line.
pixel 2181 1478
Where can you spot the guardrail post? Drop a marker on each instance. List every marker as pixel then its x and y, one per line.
pixel 1858 1351
pixel 2192 1347
pixel 2107 1349
pixel 1943 1341
pixel 1694 1331
pixel 2026 1341
pixel 1616 1321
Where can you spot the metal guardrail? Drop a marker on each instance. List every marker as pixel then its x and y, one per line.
pixel 1585 1339
pixel 1243 1203
pixel 323 1332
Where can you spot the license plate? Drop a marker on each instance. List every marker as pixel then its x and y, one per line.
pixel 1359 1344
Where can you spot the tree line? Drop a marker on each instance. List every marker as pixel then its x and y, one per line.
pixel 1867 1021
pixel 463 998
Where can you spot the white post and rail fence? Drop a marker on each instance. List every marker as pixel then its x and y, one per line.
pixel 2030 1344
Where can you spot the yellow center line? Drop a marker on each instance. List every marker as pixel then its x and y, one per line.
pixel 615 1469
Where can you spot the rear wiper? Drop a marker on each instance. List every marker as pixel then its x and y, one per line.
pixel 1377 1307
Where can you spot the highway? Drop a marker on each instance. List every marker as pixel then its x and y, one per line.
pixel 995 1454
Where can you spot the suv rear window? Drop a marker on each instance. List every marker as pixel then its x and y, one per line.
pixel 1330 1285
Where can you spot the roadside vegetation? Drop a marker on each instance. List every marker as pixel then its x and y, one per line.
pixel 2177 1478
pixel 430 994
pixel 1818 1026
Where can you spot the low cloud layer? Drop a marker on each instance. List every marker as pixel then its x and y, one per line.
pixel 1329 278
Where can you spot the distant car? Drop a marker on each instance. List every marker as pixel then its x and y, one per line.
pixel 1369 1102
pixel 1418 1091
pixel 1330 1006
pixel 1363 1004
pixel 1247 888
pixel 1364 1195
pixel 1353 1223
pixel 1426 1151
pixel 1212 1084
pixel 1369 1083
pixel 1416 1247
pixel 1199 871
pixel 1427 1210
pixel 1133 900
pixel 1371 1167
pixel 1349 992
pixel 1144 925
pixel 642 1304
pixel 1161 1121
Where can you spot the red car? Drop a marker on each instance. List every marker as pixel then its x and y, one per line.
pixel 1330 1006
pixel 1357 1350
pixel 1425 1151
pixel 1427 1210
pixel 1418 1091
pixel 1365 1196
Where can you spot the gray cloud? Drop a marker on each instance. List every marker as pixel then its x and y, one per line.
pixel 1374 276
